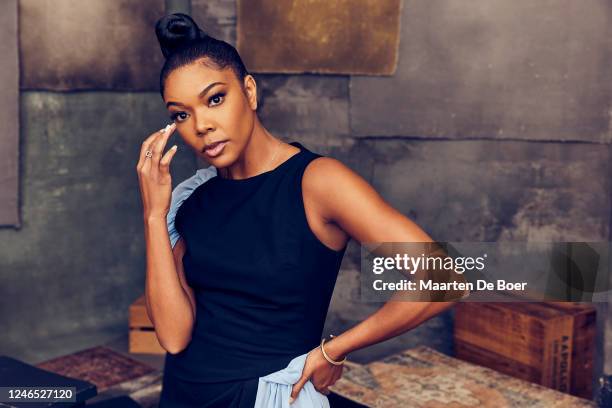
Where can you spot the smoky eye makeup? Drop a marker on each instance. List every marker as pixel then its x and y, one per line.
pixel 174 116
pixel 213 100
pixel 216 99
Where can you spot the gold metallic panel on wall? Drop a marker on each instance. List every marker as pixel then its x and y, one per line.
pixel 320 36
pixel 92 44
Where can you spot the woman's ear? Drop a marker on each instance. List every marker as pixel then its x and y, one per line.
pixel 250 90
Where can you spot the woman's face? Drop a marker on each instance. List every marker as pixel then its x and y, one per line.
pixel 211 106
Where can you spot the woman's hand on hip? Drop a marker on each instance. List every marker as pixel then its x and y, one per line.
pixel 154 173
pixel 319 371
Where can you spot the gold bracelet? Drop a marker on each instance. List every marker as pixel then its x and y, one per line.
pixel 327 357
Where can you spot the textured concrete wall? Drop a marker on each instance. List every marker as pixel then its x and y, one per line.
pixel 79 259
pixel 9 111
pixel 536 70
pixel 77 262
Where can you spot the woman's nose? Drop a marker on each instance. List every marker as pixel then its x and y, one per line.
pixel 203 124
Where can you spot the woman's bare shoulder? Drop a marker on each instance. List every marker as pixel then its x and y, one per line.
pixel 343 197
pixel 333 186
pixel 327 172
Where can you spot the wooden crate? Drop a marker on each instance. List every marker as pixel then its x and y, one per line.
pixel 142 333
pixel 548 343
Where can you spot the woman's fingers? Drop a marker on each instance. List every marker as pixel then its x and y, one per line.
pixel 335 377
pixel 144 147
pixel 164 163
pixel 156 145
pixel 297 387
pixel 159 145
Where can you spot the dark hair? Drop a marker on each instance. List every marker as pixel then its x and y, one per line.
pixel 182 42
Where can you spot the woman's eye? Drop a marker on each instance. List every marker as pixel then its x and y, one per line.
pixel 176 116
pixel 216 99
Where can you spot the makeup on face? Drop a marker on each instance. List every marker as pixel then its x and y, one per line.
pixel 215 149
pixel 211 112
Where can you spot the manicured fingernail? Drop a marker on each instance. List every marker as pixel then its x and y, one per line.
pixel 291 399
pixel 174 147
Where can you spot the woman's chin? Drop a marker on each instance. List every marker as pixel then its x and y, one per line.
pixel 223 160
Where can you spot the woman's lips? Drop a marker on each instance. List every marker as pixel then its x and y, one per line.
pixel 215 149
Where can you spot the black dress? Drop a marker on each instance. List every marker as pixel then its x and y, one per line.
pixel 262 282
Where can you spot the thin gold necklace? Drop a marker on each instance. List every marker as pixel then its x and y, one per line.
pixel 274 156
pixel 269 164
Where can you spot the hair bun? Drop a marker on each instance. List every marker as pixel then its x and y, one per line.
pixel 174 30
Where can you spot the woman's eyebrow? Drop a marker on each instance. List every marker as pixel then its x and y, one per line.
pixel 200 95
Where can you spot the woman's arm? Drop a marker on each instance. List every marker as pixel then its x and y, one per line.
pixel 169 299
pixel 169 304
pixel 354 206
pixel 178 252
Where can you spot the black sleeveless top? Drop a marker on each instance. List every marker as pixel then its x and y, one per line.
pixel 262 280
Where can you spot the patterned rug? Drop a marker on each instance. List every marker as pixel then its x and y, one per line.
pixel 424 378
pixel 99 365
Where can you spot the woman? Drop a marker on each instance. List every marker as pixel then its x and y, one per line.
pixel 239 302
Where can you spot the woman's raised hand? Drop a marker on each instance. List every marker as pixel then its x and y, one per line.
pixel 154 173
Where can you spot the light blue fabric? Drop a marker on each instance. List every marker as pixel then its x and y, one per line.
pixel 180 194
pixel 274 390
